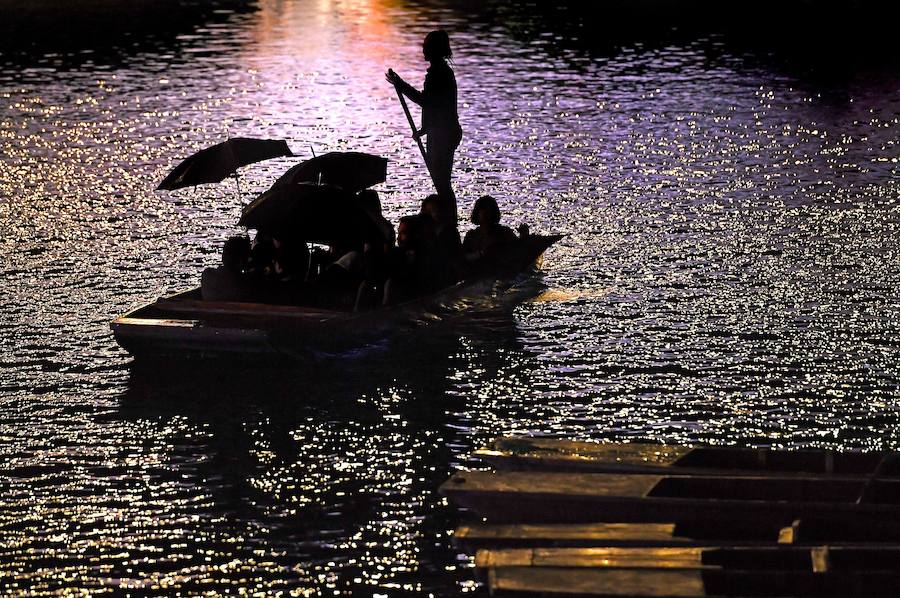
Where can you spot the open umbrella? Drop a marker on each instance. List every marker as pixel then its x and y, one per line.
pixel 317 213
pixel 351 171
pixel 214 163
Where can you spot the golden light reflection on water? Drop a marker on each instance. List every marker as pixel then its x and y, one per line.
pixel 561 295
pixel 729 276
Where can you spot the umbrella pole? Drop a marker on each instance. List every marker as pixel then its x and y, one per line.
pixel 237 182
pixel 412 125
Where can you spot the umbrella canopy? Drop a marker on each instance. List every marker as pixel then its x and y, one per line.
pixel 213 164
pixel 317 213
pixel 351 171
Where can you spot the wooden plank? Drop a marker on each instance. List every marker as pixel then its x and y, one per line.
pixel 201 307
pixel 585 535
pixel 596 582
pixel 569 484
pixel 549 454
pixel 675 583
pixel 158 322
pixel 814 559
pixel 563 455
pixel 588 534
pixel 616 558
pixel 568 498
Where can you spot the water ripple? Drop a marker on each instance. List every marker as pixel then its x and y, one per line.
pixel 730 275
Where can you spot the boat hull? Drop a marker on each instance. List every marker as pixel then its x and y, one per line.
pixel 216 328
pixel 145 335
pixel 186 326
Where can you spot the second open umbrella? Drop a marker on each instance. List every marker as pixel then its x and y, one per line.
pixel 215 163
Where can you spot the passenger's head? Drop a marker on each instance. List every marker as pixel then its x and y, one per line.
pixel 236 253
pixel 262 252
pixel 431 206
pixel 368 199
pixel 485 211
pixel 437 46
pixel 406 230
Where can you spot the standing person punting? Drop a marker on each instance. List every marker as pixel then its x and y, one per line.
pixel 440 119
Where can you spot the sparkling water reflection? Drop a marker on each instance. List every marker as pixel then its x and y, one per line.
pixel 730 275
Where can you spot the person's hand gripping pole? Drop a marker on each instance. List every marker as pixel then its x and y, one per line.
pixel 395 80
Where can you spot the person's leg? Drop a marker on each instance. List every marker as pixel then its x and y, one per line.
pixel 440 159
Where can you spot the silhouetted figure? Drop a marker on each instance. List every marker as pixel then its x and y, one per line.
pixel 236 253
pixel 290 260
pixel 370 202
pixel 275 268
pixel 226 283
pixel 490 237
pixel 376 252
pixel 262 256
pixel 440 119
pixel 342 265
pixel 448 252
pixel 412 263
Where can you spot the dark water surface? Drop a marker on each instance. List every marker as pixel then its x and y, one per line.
pixel 730 275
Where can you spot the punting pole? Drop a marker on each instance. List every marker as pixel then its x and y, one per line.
pixel 412 125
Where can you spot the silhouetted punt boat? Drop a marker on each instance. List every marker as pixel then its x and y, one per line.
pixel 544 454
pixel 185 324
pixel 586 497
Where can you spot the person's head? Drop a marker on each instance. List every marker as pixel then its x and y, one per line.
pixel 368 199
pixel 485 212
pixel 236 253
pixel 431 206
pixel 437 46
pixel 262 252
pixel 406 231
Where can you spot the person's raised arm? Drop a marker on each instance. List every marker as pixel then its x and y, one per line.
pixel 405 88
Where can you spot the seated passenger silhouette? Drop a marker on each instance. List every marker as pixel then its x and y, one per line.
pixel 290 260
pixel 376 252
pixel 448 252
pixel 227 282
pixel 411 264
pixel 490 237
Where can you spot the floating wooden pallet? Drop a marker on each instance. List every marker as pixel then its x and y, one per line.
pixel 573 518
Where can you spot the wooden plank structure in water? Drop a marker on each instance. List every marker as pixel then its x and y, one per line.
pixel 657 520
pixel 544 454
